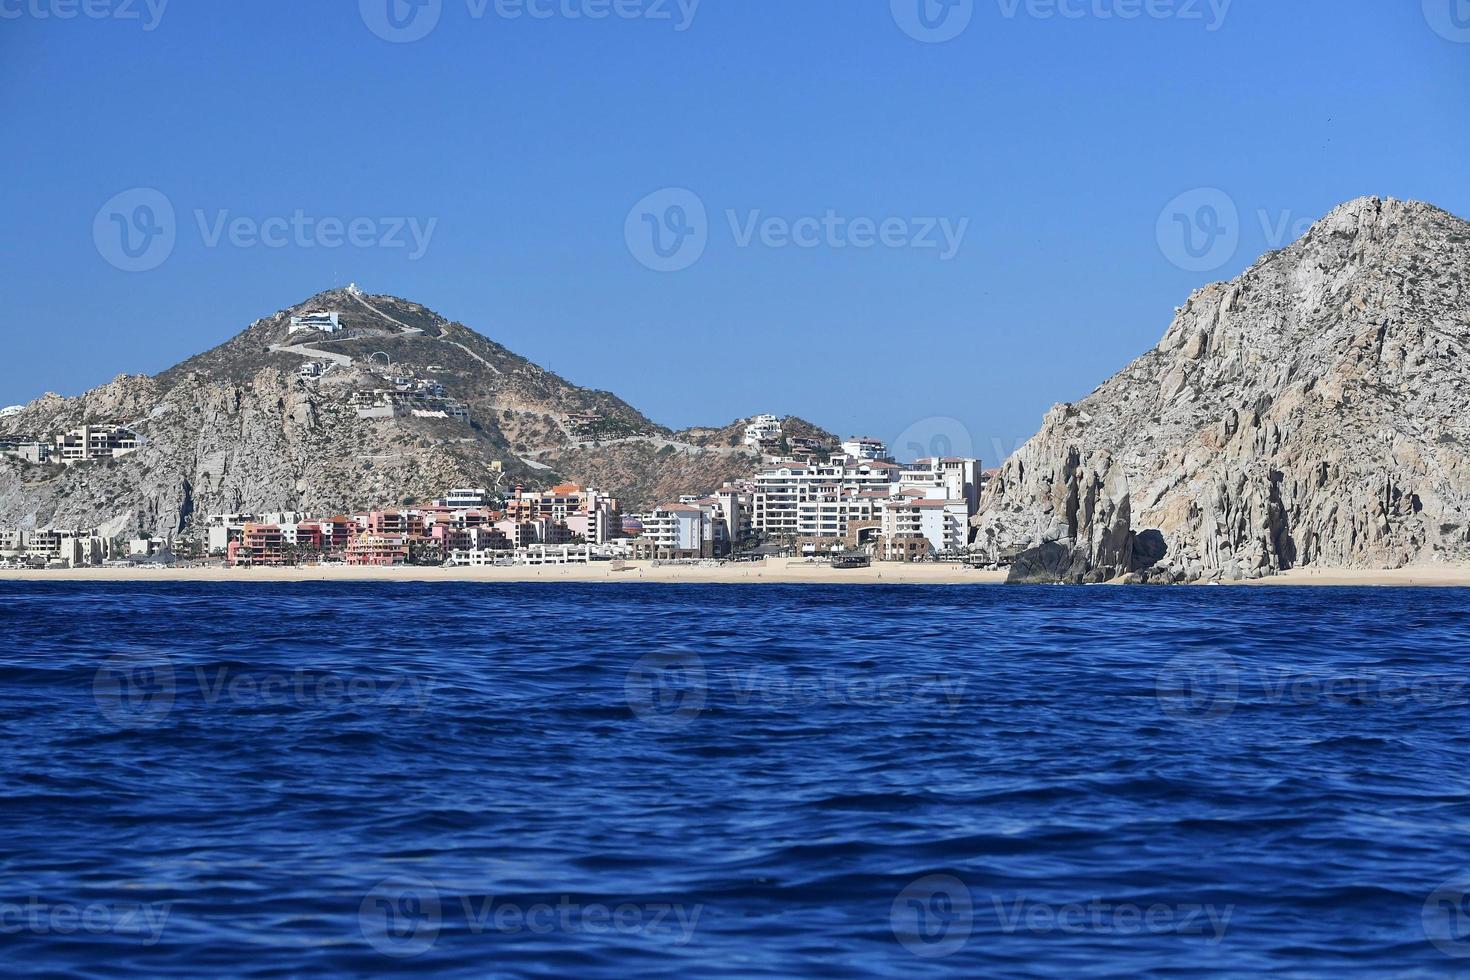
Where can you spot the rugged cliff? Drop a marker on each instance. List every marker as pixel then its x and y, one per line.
pixel 237 429
pixel 1312 411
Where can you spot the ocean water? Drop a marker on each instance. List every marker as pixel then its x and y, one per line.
pixel 614 781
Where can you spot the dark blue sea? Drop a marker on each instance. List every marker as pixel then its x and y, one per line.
pixel 726 781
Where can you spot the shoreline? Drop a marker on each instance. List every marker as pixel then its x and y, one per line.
pixel 770 572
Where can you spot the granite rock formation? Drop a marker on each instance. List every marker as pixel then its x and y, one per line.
pixel 1313 411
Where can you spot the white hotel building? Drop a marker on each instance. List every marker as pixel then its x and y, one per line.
pixel 907 511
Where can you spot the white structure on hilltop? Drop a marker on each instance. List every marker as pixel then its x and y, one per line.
pixel 324 321
pixel 762 428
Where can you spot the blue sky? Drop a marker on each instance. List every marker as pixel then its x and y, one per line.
pixel 827 142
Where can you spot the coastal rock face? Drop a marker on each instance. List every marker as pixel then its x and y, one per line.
pixel 1311 412
pixel 238 430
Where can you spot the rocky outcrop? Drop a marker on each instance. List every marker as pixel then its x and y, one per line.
pixel 1088 534
pixel 1316 410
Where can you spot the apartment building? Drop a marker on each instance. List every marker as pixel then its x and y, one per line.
pixel 95 442
pixel 467 498
pixel 914 528
pixel 780 490
pixel 866 447
pixel 259 544
pixel 594 516
pixel 954 477
pixel 675 531
pixel 27 448
pixel 826 521
pixel 377 550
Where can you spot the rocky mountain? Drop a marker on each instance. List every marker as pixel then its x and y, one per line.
pixel 239 429
pixel 1312 411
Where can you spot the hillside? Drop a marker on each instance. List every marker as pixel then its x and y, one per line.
pixel 1311 412
pixel 238 429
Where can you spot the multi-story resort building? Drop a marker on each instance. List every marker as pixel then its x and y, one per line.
pixel 378 550
pixel 675 531
pixel 75 446
pixel 912 528
pixel 95 442
pixel 844 503
pixel 781 489
pixel 866 447
pixel 258 544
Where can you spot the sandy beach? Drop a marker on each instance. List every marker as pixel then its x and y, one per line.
pixel 772 571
